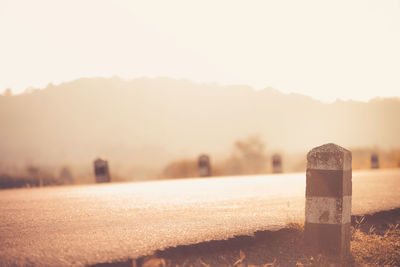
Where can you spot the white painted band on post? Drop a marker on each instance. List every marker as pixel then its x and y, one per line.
pixel 328 210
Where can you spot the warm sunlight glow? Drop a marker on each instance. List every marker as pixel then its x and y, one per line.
pixel 325 49
pixel 199 133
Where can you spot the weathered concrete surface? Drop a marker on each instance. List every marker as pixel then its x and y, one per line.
pixel 328 200
pixel 328 210
pixel 329 157
pixel 78 225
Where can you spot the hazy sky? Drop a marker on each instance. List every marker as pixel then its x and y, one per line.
pixel 326 49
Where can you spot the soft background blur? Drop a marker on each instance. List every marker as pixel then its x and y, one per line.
pixel 143 125
pixel 326 49
pixel 151 85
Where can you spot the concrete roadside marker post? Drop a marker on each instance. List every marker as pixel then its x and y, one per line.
pixel 374 161
pixel 101 171
pixel 328 200
pixel 204 165
pixel 276 163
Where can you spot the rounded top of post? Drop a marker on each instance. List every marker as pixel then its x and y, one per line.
pixel 329 157
pixel 100 161
pixel 276 156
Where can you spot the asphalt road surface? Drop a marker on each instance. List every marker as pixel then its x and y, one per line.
pixel 80 225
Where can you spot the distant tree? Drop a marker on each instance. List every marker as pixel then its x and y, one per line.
pixel 248 157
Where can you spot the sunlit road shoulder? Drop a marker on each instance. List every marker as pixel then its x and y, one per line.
pixel 81 225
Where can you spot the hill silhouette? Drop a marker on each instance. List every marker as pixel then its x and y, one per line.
pixel 144 123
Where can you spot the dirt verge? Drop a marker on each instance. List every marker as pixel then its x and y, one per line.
pixel 375 242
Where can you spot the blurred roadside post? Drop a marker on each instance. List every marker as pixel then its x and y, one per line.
pixel 101 171
pixel 276 163
pixel 328 200
pixel 66 176
pixel 374 161
pixel 204 166
pixel 36 175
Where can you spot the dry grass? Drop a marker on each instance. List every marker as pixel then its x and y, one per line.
pixel 375 242
pixel 372 249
